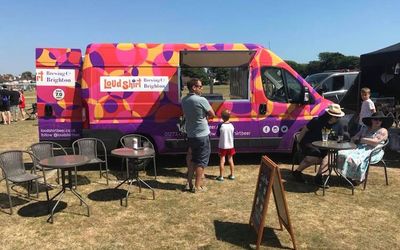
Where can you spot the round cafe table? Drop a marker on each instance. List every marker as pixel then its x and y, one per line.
pixel 130 153
pixel 333 147
pixel 65 163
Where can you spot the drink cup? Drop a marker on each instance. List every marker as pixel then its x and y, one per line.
pixel 340 138
pixel 325 136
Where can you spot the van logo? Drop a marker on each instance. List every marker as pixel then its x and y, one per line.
pixel 275 129
pixel 284 129
pixel 133 83
pixel 266 129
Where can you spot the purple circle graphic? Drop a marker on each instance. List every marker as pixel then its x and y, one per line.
pixel 96 59
pixel 110 106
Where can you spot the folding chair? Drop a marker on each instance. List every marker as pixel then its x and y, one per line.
pixel 298 155
pixel 12 165
pixel 370 162
pixel 32 112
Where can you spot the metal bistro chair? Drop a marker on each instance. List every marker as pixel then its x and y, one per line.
pixel 298 155
pixel 88 147
pixel 127 142
pixel 47 149
pixel 13 167
pixel 374 152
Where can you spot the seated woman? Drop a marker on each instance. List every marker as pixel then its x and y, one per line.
pixel 313 132
pixel 353 163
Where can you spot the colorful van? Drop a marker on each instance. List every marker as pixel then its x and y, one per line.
pixel 124 88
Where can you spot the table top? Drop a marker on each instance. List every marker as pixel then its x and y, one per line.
pixel 64 161
pixel 133 153
pixel 334 145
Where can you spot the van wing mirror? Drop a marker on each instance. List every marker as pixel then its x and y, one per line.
pixel 307 98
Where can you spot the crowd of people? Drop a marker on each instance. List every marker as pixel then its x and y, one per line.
pixel 12 105
pixel 372 133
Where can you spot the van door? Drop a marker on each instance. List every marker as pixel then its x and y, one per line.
pixel 283 113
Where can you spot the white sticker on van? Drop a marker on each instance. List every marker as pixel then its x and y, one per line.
pixel 284 129
pixel 275 129
pixel 266 129
pixel 133 83
pixel 55 77
pixel 58 94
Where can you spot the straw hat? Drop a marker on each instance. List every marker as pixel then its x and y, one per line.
pixel 387 121
pixel 335 110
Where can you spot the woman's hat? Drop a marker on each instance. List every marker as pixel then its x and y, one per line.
pixel 387 121
pixel 335 110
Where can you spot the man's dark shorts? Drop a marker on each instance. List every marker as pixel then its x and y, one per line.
pixel 310 150
pixel 201 150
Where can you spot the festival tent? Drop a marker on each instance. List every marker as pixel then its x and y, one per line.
pixel 380 71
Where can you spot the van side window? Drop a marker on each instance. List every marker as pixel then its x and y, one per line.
pixel 219 84
pixel 280 86
pixel 338 83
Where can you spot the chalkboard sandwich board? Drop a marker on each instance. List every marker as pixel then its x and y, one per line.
pixel 269 179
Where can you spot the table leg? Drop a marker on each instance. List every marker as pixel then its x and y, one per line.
pixel 62 192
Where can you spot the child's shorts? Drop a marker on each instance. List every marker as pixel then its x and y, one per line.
pixel 224 152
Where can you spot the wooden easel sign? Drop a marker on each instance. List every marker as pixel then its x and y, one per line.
pixel 269 178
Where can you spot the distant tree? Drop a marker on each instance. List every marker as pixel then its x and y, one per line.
pixel 196 73
pixel 298 67
pixel 27 75
pixel 221 74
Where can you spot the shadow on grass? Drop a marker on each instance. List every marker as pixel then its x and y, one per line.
pixel 41 208
pixel 243 235
pixel 16 201
pixel 108 194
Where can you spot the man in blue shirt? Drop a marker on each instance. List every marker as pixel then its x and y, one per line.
pixel 196 110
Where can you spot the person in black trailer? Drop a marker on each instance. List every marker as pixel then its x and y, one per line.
pixel 313 132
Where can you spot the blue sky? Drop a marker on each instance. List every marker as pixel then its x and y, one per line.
pixel 294 30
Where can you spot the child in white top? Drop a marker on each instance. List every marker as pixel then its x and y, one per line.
pixel 225 145
pixel 367 106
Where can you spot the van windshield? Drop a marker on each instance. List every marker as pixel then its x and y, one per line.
pixel 316 79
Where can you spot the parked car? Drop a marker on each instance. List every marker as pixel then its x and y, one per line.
pixel 332 85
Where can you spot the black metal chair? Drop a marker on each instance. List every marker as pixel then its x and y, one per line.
pixel 32 112
pixel 127 141
pixel 298 155
pixel 12 165
pixel 89 147
pixel 47 149
pixel 374 152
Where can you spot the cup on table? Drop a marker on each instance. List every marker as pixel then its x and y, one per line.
pixel 340 138
pixel 325 136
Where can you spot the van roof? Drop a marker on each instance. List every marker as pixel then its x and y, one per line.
pixel 153 54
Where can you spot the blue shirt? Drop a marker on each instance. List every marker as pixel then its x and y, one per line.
pixel 195 109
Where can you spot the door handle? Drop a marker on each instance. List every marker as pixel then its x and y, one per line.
pixel 262 109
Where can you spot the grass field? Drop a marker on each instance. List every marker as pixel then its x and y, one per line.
pixel 215 219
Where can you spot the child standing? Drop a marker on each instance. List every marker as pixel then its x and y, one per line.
pixel 225 145
pixel 367 106
pixel 22 104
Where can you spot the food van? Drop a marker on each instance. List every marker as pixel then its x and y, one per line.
pixel 123 88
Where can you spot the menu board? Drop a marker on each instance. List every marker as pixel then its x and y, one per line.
pixel 269 179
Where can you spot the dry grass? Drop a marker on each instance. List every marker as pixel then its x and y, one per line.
pixel 216 219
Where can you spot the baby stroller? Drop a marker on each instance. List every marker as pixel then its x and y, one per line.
pixel 32 112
